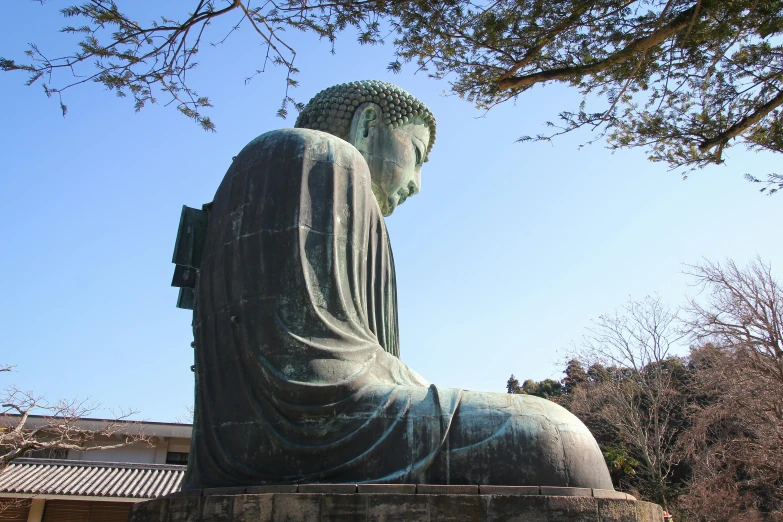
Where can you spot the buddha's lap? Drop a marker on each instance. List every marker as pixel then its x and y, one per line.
pixel 507 439
pixel 511 439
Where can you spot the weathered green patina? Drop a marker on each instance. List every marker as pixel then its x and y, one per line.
pixel 394 132
pixel 298 375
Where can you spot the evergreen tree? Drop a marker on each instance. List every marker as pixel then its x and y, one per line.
pixel 512 385
pixel 683 79
pixel 574 376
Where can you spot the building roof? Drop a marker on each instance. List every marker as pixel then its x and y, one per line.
pixel 153 429
pixel 112 480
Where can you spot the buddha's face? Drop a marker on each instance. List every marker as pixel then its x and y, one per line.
pixel 395 157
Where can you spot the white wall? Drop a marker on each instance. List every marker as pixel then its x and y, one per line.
pixel 138 453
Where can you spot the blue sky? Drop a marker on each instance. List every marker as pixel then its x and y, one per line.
pixel 502 261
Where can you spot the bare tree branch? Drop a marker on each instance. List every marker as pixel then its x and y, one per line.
pixel 29 423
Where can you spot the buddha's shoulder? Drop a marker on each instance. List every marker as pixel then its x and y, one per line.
pixel 300 142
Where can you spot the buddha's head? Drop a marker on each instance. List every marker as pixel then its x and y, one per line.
pixel 393 130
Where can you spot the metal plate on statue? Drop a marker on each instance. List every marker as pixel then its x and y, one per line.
pixel 184 277
pixel 190 237
pixel 186 298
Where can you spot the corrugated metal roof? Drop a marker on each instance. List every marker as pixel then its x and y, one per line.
pixel 86 478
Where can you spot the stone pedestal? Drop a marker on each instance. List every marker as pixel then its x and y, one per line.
pixel 403 503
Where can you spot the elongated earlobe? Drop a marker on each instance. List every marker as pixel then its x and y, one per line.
pixel 364 123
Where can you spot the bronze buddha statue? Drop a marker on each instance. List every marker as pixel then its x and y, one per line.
pixel 298 370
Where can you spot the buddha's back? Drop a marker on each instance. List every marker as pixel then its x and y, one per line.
pixel 296 322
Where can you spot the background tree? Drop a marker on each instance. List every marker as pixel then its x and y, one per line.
pixel 715 491
pixel 737 435
pixel 701 434
pixel 548 388
pixel 621 466
pixel 29 423
pixel 575 376
pixel 634 403
pixel 684 79
pixel 512 385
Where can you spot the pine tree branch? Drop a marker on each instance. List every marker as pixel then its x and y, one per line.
pixel 742 125
pixel 531 53
pixel 678 23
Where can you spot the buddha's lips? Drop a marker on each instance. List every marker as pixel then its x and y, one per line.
pixel 405 193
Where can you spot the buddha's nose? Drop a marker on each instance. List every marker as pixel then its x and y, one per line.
pixel 415 183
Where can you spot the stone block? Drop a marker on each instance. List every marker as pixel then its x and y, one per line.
pixel 397 508
pixel 296 508
pixel 239 490
pixel 258 490
pixel 151 511
pixel 218 508
pixel 509 490
pixel 394 507
pixel 343 508
pixel 185 509
pixel 186 493
pixel 609 493
pixel 616 510
pixel 386 489
pixel 566 492
pixel 572 509
pixel 442 489
pixel 517 508
pixel 647 512
pixel 253 508
pixel 328 488
pixel 458 508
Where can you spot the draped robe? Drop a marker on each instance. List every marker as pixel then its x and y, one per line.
pixel 298 376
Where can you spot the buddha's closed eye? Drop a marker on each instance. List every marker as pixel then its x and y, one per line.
pixel 418 154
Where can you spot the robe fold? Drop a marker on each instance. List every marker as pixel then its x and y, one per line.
pixel 304 384
pixel 298 376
